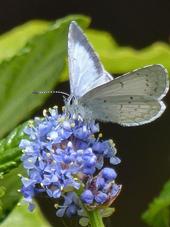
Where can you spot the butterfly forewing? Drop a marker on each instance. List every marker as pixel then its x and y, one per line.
pixel 85 70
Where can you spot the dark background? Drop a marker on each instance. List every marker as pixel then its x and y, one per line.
pixel 145 150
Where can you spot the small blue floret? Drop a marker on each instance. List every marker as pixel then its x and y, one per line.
pixel 87 197
pixel 109 174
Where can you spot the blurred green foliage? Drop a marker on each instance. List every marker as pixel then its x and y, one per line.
pixel 37 66
pixel 9 195
pixel 20 217
pixel 9 151
pixel 118 59
pixel 11 42
pixel 33 57
pixel 158 213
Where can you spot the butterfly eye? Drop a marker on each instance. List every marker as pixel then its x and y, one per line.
pixel 71 100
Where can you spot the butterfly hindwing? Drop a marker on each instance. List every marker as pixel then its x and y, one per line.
pixel 125 112
pixel 131 99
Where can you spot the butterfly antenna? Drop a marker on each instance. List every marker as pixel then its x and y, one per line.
pixel 50 92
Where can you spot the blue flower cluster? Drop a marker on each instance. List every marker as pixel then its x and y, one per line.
pixel 101 189
pixel 63 158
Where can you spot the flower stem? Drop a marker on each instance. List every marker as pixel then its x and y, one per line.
pixel 95 218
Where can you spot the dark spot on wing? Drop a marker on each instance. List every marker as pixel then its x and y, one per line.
pixel 122 84
pixel 147 85
pixel 131 97
pixel 129 102
pixel 104 101
pixel 156 82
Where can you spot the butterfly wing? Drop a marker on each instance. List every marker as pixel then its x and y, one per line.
pixel 85 70
pixel 131 99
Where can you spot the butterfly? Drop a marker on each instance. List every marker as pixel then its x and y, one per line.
pixel 132 99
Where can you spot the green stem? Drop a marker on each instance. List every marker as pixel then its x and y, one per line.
pixel 95 218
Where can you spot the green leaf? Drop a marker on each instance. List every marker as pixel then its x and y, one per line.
pixel 158 213
pixel 42 58
pixel 9 196
pixel 10 152
pixel 38 67
pixel 84 221
pixel 107 212
pixel 11 42
pixel 22 217
pixel 118 59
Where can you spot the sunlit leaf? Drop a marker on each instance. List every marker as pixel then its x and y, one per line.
pixel 11 42
pixel 158 213
pixel 119 59
pixel 38 67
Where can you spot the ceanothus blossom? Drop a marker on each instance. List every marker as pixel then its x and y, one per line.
pixel 64 158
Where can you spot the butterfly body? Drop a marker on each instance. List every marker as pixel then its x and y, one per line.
pixel 78 110
pixel 130 100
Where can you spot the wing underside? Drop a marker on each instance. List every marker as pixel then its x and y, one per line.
pixel 132 99
pixel 85 70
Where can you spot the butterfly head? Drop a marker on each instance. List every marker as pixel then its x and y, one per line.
pixel 76 109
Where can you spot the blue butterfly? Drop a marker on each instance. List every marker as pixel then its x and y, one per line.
pixel 130 100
